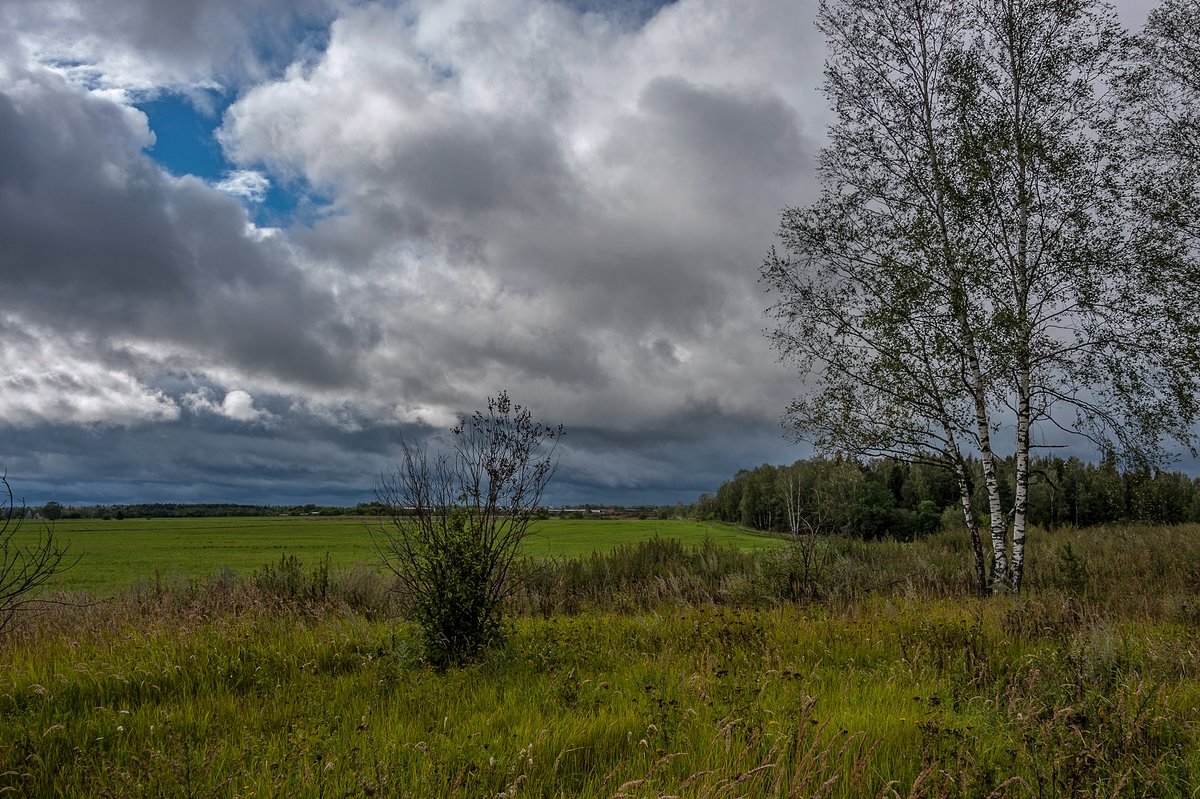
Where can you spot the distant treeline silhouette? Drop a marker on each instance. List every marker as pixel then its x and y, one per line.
pixel 890 498
pixel 171 510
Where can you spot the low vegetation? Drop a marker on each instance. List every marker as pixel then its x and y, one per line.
pixel 654 669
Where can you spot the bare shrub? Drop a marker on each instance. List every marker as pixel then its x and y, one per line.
pixel 456 522
pixel 25 566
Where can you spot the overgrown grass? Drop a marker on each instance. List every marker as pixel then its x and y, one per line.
pixel 655 670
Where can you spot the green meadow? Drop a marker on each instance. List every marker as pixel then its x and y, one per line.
pixel 644 670
pixel 114 554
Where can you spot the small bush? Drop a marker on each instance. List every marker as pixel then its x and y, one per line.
pixel 1070 570
pixel 456 523
pixel 457 616
pixel 25 567
pixel 290 582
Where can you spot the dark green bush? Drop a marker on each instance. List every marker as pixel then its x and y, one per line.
pixel 458 616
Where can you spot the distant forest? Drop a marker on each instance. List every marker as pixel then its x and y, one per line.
pixel 179 510
pixel 890 498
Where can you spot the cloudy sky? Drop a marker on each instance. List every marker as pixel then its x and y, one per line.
pixel 249 245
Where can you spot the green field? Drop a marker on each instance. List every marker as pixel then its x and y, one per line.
pixel 115 554
pixel 651 671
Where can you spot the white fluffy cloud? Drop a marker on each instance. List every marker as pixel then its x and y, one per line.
pixel 237 405
pixel 248 184
pixel 144 46
pixel 527 194
pixel 48 382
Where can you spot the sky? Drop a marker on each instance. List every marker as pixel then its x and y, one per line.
pixel 251 246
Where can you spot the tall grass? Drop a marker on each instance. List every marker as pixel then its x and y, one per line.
pixel 653 671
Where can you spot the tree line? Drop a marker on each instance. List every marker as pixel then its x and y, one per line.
pixel 52 511
pixel 890 498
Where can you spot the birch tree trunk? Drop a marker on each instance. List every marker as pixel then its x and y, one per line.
pixel 964 494
pixel 1021 284
pixel 997 523
pixel 791 503
pixel 1021 501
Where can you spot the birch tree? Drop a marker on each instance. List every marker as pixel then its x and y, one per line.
pixel 974 275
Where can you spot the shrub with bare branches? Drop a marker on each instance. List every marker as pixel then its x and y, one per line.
pixel 25 564
pixel 456 522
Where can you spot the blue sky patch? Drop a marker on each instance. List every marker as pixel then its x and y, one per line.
pixel 290 204
pixel 186 144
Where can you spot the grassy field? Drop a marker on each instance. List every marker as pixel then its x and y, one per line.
pixel 679 672
pixel 924 698
pixel 116 553
pixel 574 706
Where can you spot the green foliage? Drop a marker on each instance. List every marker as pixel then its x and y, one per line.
pixel 800 571
pixel 1070 570
pixel 291 583
pixel 927 519
pixel 646 575
pixel 1162 91
pixel 874 511
pixel 457 617
pixel 1062 492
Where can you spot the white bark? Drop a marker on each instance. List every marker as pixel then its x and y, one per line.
pixel 1021 284
pixel 964 494
pixel 1021 502
pixel 791 504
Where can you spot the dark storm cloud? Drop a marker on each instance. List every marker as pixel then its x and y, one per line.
pixel 99 241
pixel 194 464
pixel 467 167
pixel 721 137
pixel 644 464
pixel 566 357
pixel 203 460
